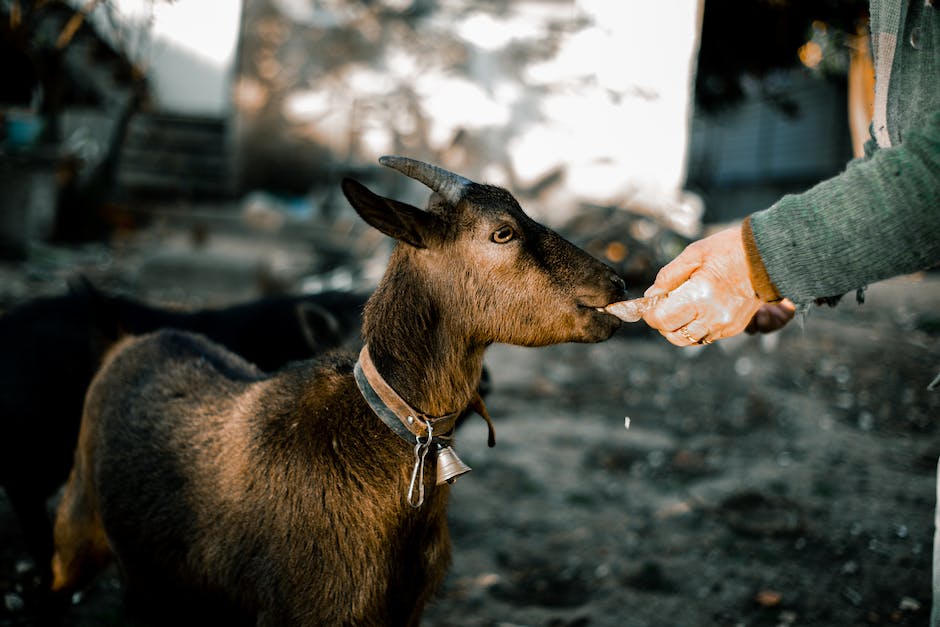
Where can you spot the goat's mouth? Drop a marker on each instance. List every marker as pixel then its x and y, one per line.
pixel 598 312
pixel 599 306
pixel 590 307
pixel 595 324
pixel 594 307
pixel 602 311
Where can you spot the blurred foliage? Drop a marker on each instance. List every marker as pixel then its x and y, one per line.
pixel 44 42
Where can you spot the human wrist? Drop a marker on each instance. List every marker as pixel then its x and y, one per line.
pixel 764 287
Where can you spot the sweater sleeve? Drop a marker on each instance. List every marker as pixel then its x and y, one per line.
pixel 877 219
pixel 764 288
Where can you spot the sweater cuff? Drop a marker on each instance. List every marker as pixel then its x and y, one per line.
pixel 764 288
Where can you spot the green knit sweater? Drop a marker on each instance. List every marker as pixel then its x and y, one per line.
pixel 881 216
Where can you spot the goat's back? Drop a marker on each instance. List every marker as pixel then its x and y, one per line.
pixel 279 494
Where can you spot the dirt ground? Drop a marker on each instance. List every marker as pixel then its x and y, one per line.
pixel 784 480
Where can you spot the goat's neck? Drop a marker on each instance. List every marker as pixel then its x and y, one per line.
pixel 431 365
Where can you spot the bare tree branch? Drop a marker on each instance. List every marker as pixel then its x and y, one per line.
pixel 74 23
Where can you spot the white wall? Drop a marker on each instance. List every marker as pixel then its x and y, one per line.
pixel 187 46
pixel 607 102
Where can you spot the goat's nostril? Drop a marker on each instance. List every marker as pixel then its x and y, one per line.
pixel 618 281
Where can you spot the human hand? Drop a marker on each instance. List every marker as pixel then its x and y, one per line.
pixel 771 317
pixel 710 295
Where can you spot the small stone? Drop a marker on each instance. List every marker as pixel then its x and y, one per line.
pixel 743 366
pixel 909 604
pixel 24 566
pixel 13 602
pixel 768 598
pixel 787 617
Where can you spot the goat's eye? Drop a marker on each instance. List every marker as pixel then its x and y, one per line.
pixel 503 234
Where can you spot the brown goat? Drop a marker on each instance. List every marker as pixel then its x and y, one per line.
pixel 284 499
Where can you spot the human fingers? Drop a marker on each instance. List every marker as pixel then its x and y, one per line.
pixel 696 332
pixel 759 323
pixel 681 307
pixel 675 273
pixel 771 317
pixel 718 293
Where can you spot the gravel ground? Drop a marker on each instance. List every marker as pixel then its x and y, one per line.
pixel 783 480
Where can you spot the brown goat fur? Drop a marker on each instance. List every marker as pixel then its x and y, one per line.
pixel 280 499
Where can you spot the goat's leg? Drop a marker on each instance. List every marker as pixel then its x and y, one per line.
pixel 81 546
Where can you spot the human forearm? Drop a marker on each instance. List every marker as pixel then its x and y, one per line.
pixel 877 219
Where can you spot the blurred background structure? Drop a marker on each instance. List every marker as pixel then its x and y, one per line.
pixel 630 126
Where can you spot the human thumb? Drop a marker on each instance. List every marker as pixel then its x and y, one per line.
pixel 675 273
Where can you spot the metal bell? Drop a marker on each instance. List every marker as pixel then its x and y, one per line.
pixel 449 466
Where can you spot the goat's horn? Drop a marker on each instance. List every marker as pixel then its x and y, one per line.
pixel 449 185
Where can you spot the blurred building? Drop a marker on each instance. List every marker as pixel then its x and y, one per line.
pixel 571 104
pixel 772 111
pixel 745 158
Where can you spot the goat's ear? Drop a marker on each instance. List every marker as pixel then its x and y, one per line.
pixel 396 219
pixel 319 327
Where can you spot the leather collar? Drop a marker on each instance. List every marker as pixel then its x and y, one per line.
pixel 407 422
